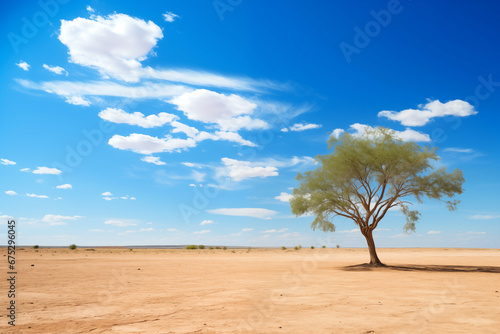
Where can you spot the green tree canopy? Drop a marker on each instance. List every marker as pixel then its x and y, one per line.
pixel 367 175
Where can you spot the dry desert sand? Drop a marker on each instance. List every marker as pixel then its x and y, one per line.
pixel 258 291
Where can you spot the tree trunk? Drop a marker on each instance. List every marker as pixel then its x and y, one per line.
pixel 374 260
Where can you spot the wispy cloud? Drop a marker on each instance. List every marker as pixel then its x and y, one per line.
pixel 245 212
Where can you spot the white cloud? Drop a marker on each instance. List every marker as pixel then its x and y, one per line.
pixel 107 193
pixel 284 197
pixel 145 144
pixel 24 65
pixel 90 9
pixel 432 109
pixel 114 45
pixel 304 126
pixel 284 130
pixel 107 198
pixel 337 133
pixel 433 232
pixel 118 223
pixel 96 230
pixel 55 69
pixel 241 170
pixel 201 232
pixel 247 230
pixel 149 229
pixel 25 170
pixel 179 127
pixel 354 230
pixel 206 222
pixel 170 17
pixel 220 135
pixel 11 192
pixel 65 186
pixel 474 232
pixel 484 217
pixel 190 164
pixel 407 135
pixel 122 117
pixel 70 89
pixel 244 212
pixel 459 150
pixel 172 230
pixel 230 112
pixel 275 231
pixel 58 219
pixel 6 162
pixel 47 170
pixel 153 160
pixel 37 196
pixel 77 100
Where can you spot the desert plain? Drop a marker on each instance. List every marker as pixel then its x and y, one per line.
pixel 326 290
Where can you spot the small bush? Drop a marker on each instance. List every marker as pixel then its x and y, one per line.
pixel 249 249
pixel 217 247
pixel 201 247
pixel 211 248
pixel 72 247
pixel 35 247
pixel 191 247
pixel 312 247
pixel 338 246
pixel 283 247
pixel 323 246
pixel 224 248
pixel 233 251
pixel 296 248
pixel 300 246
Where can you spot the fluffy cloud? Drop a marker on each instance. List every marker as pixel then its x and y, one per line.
pixel 170 17
pixel 432 109
pixel 245 212
pixel 118 223
pixel 114 45
pixel 201 232
pixel 77 100
pixel 47 170
pixel 247 230
pixel 284 197
pixel 37 196
pixel 122 117
pixel 241 170
pixel 337 133
pixel 55 69
pixel 230 112
pixel 433 232
pixel 407 135
pixel 145 144
pixel 302 127
pixel 206 222
pixel 275 231
pixel 11 192
pixel 58 219
pixel 153 160
pixel 25 170
pixel 6 162
pixel 24 65
pixel 65 186
pixel 107 193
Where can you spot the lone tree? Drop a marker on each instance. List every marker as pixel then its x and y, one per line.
pixel 365 176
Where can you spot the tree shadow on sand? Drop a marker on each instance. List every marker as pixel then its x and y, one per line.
pixel 418 267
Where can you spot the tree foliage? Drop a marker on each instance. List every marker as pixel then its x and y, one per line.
pixel 366 176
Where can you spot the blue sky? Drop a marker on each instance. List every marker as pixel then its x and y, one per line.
pixel 127 123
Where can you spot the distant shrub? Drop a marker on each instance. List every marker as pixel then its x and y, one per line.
pixel 323 246
pixel 312 247
pixel 224 248
pixel 191 247
pixel 283 247
pixel 233 251
pixel 72 247
pixel 338 246
pixel 217 247
pixel 249 249
pixel 211 247
pixel 201 247
pixel 35 247
pixel 296 248
pixel 130 249
pixel 300 246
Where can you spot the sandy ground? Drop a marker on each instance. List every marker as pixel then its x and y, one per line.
pixel 257 291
